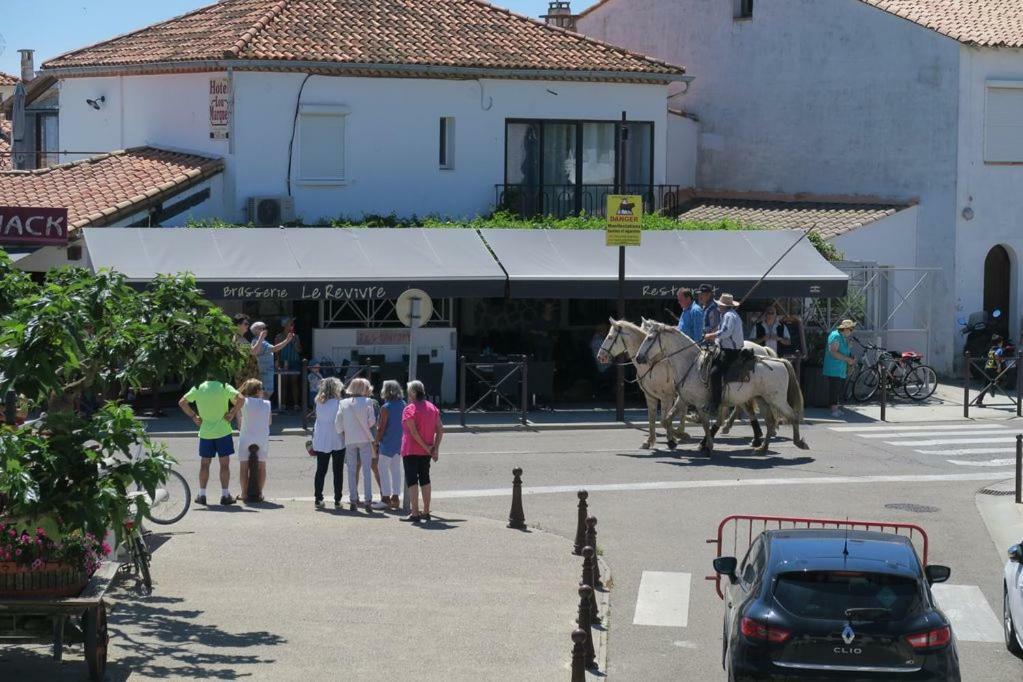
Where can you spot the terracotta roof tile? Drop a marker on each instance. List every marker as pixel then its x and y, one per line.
pixel 5 144
pixel 8 79
pixel 832 218
pixel 989 23
pixel 453 33
pixel 108 187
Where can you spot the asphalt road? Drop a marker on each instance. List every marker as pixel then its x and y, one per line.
pixel 656 510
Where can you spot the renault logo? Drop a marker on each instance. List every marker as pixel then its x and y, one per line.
pixel 848 635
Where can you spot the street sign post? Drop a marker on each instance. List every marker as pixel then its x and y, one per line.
pixel 624 228
pixel 414 308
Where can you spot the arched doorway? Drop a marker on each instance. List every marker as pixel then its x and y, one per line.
pixel 997 280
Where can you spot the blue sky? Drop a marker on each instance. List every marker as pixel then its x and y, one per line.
pixel 52 27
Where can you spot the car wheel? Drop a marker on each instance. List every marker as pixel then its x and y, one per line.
pixel 1012 637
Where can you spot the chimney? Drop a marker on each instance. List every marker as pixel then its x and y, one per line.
pixel 28 67
pixel 559 13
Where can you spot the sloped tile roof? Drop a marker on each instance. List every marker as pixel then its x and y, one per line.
pixel 988 23
pixel 5 144
pixel 8 79
pixel 832 218
pixel 105 188
pixel 434 33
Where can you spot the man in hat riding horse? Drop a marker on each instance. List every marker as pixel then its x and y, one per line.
pixel 729 339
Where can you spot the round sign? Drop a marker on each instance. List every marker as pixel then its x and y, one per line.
pixel 403 307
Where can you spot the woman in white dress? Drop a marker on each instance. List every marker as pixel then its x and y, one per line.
pixel 254 432
pixel 328 445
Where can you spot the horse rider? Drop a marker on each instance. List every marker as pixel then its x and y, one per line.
pixel 729 338
pixel 690 321
pixel 711 315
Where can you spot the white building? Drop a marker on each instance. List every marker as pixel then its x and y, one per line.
pixel 917 102
pixel 353 107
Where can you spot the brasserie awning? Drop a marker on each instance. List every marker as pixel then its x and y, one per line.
pixel 578 264
pixel 304 263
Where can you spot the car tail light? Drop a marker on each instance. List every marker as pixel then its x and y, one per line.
pixel 763 632
pixel 932 639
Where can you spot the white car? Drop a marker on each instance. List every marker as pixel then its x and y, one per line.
pixel 1012 601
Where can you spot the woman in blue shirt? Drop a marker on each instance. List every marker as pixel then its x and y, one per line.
pixel 837 360
pixel 388 443
pixel 264 352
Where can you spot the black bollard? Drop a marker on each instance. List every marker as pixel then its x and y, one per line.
pixel 578 655
pixel 517 519
pixel 591 541
pixel 585 622
pixel 589 556
pixel 580 528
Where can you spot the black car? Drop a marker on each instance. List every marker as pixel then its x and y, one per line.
pixel 834 605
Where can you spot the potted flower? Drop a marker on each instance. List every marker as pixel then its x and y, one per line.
pixel 35 565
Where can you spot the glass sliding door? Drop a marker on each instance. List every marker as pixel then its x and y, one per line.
pixel 522 194
pixel 598 166
pixel 560 174
pixel 637 152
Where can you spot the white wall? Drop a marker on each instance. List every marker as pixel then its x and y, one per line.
pixel 831 97
pixel 392 132
pixel 993 191
pixel 683 140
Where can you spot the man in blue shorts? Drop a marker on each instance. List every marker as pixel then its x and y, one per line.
pixel 217 404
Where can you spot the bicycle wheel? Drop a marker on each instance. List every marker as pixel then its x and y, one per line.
pixel 866 384
pixel 850 382
pixel 172 501
pixel 921 382
pixel 141 556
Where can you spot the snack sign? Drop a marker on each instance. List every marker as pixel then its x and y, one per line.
pixel 624 219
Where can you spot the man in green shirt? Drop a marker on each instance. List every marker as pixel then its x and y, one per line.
pixel 217 404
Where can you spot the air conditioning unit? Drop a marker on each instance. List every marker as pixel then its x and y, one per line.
pixel 271 211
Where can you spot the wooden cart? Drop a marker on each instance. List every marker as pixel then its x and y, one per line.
pixel 81 619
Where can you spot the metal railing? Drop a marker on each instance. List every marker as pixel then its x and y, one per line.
pixel 993 383
pixel 493 378
pixel 561 201
pixel 745 528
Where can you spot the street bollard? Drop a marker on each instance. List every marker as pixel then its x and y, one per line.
pixel 585 623
pixel 591 541
pixel 1019 382
pixel 517 519
pixel 11 408
pixel 1019 469
pixel 966 385
pixel 579 655
pixel 884 394
pixel 589 556
pixel 580 527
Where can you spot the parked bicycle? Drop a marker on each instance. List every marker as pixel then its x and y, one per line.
pixel 138 553
pixel 904 374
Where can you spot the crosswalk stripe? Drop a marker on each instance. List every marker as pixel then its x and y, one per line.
pixel 988 463
pixel 969 451
pixel 971 616
pixel 869 428
pixel 952 441
pixel 990 431
pixel 663 599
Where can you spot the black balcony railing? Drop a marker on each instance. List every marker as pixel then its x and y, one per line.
pixel 561 201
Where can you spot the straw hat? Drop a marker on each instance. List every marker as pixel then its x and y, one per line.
pixel 846 324
pixel 727 300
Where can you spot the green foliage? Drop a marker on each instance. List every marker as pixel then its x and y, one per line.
pixel 824 247
pixel 14 284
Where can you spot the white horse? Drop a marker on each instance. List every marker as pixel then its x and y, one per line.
pixel 772 379
pixel 657 383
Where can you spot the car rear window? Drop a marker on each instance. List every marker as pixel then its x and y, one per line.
pixel 828 594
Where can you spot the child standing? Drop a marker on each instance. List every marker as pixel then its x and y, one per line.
pixel 328 446
pixel 995 363
pixel 388 443
pixel 254 431
pixel 314 382
pixel 355 421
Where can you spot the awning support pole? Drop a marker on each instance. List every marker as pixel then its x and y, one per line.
pixel 620 369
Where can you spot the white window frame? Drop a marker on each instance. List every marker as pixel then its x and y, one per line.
pixel 990 156
pixel 449 147
pixel 327 110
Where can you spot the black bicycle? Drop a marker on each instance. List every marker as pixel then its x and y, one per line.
pixel 904 374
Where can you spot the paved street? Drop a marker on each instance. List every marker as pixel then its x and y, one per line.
pixel 656 511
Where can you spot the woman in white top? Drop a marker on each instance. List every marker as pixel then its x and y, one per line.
pixel 355 421
pixel 253 432
pixel 328 445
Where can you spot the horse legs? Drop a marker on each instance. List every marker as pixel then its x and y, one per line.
pixel 651 413
pixel 731 420
pixel 667 417
pixel 682 412
pixel 782 410
pixel 769 417
pixel 759 442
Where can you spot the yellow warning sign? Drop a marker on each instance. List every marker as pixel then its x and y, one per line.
pixel 624 219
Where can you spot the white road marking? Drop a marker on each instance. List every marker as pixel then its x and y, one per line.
pixel 663 599
pixel 953 441
pixel 989 463
pixel 869 428
pixel 969 451
pixel 943 434
pixel 971 616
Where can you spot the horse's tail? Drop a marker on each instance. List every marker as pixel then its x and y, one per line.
pixel 795 394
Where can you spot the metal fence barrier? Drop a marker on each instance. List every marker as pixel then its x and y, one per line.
pixel 491 377
pixel 992 383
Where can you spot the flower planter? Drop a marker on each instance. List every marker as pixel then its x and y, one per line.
pixel 52 580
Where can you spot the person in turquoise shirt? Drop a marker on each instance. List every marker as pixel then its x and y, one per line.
pixel 837 360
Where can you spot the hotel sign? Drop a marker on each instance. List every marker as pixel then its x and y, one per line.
pixel 25 226
pixel 220 108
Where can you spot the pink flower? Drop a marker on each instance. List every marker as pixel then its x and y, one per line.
pixel 17 552
pixel 37 564
pixel 106 548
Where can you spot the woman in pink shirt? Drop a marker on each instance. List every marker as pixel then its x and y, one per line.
pixel 422 432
